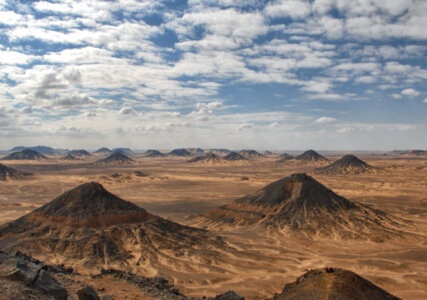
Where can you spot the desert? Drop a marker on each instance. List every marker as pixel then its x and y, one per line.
pixel 254 259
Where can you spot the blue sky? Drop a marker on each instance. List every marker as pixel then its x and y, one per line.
pixel 289 74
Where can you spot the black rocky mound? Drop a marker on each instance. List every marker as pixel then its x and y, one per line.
pixel 116 158
pixel 311 156
pixel 180 152
pixel 299 204
pixel 26 154
pixel 45 150
pixel 332 283
pixel 250 154
pixel 348 164
pixel 103 150
pixel 79 153
pixel 124 151
pixel 153 153
pixel 207 159
pixel 92 228
pixel 6 173
pixel 70 157
pixel 415 153
pixel 233 156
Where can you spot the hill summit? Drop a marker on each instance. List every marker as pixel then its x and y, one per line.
pixel 348 164
pixel 299 204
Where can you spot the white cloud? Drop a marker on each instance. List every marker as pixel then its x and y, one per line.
pixel 324 120
pixel 127 111
pixel 410 92
pixel 288 8
pixel 425 100
pixel 396 96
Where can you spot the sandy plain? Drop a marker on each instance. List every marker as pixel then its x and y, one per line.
pixel 260 264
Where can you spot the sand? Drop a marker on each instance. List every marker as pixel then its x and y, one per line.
pixel 260 264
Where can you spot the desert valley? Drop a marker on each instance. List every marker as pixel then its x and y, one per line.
pixel 212 221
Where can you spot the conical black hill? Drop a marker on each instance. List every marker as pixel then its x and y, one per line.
pixel 297 190
pixel 87 200
pixel 348 164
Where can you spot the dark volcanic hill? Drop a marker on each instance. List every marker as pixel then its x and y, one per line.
pixel 210 159
pixel 300 204
pixel 348 164
pixel 6 173
pixel 79 153
pixel 250 154
pixel 26 154
pixel 180 152
pixel 92 228
pixel 45 150
pixel 153 153
pixel 233 156
pixel 332 283
pixel 70 157
pixel 103 150
pixel 116 158
pixel 415 153
pixel 124 151
pixel 311 156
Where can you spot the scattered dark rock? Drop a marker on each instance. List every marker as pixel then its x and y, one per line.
pixel 117 158
pixel 233 156
pixel 87 293
pixel 31 272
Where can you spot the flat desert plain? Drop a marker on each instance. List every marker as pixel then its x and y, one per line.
pixel 259 263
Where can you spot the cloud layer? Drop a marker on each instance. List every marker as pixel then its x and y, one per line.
pixel 284 74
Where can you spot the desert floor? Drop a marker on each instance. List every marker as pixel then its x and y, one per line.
pixel 260 264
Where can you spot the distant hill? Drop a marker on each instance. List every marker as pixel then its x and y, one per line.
pixel 70 157
pixel 40 149
pixel 10 173
pixel 180 152
pixel 311 156
pixel 233 156
pixel 332 283
pixel 79 153
pixel 348 164
pixel 250 154
pixel 415 153
pixel 26 154
pixel 219 152
pixel 118 158
pixel 195 151
pixel 153 153
pixel 125 151
pixel 298 204
pixel 103 150
pixel 210 159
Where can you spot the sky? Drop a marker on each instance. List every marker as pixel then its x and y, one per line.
pixel 286 74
